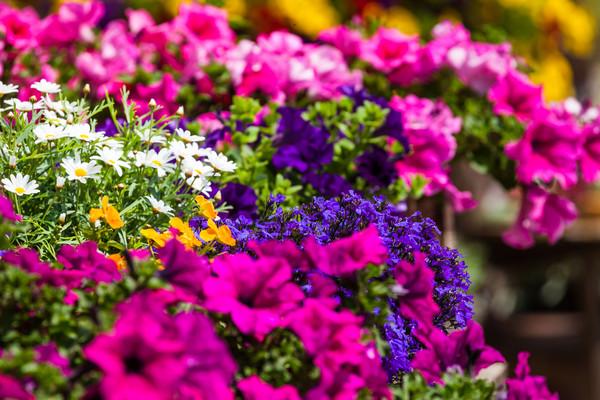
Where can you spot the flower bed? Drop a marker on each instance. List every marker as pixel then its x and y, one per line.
pixel 255 242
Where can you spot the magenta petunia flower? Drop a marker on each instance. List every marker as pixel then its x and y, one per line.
pixel 257 294
pixel 49 353
pixel 163 92
pixel 414 289
pixel 464 349
pixel 525 386
pixel 253 388
pixel 88 259
pixel 7 211
pixel 589 162
pixel 151 355
pixel 516 95
pixel 345 256
pixel 541 213
pixel 204 23
pixel 343 38
pixel 10 388
pixel 389 49
pixel 549 149
pixel 73 22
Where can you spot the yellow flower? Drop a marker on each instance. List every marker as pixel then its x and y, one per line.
pixel 394 17
pixel 222 234
pixel 109 213
pixel 155 238
pixel 206 208
pixel 306 16
pixel 185 236
pixel 554 72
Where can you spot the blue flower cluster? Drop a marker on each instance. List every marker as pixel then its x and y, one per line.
pixel 331 219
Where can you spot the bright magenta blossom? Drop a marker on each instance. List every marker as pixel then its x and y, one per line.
pixel 516 95
pixel 525 386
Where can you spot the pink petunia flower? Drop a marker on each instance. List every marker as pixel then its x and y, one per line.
pixel 253 388
pixel 525 386
pixel 516 95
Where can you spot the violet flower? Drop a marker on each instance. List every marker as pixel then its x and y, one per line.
pixel 376 168
pixel 525 386
pixel 464 349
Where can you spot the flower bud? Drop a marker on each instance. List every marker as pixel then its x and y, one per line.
pixel 218 196
pixel 33 99
pixel 121 186
pixel 86 88
pixel 11 115
pixel 12 162
pixel 152 104
pixel 62 218
pixel 70 119
pixel 180 111
pixel 60 182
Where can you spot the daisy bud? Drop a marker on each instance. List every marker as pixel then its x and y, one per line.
pixel 11 115
pixel 188 174
pixel 33 99
pixel 19 144
pixel 152 104
pixel 218 196
pixel 70 119
pixel 12 162
pixel 60 182
pixel 148 226
pixel 180 111
pixel 168 135
pixel 121 186
pixel 62 218
pixel 86 88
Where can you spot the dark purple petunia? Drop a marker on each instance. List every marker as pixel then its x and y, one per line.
pixel 376 167
pixel 242 198
pixel 109 128
pixel 326 184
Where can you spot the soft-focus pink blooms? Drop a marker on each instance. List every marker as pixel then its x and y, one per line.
pixel 285 249
pixel 464 349
pixel 164 92
pixel 460 201
pixel 525 386
pixel 209 122
pixel 345 256
pixel 343 38
pixel 414 288
pixel 330 72
pixel 257 294
pixel 204 23
pixel 73 23
pixel 253 388
pixel 280 42
pixel 389 49
pixel 152 355
pixel 49 353
pixel 480 65
pixel 516 95
pixel 6 210
pixel 541 213
pixel 20 28
pixel 549 149
pixel 446 35
pixel 88 259
pixel 10 388
pixel 589 162
pixel 138 20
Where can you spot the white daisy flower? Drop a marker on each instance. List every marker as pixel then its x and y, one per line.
pixel 22 105
pixel 159 206
pixel 147 135
pixel 220 162
pixel 47 133
pixel 112 158
pixel 183 150
pixel 46 87
pixel 83 132
pixel 187 136
pixel 192 168
pixel 200 183
pixel 109 142
pixel 8 88
pixel 56 106
pixel 53 118
pixel 161 161
pixel 80 171
pixel 20 185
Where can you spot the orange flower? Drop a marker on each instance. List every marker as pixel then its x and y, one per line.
pixel 109 213
pixel 185 236
pixel 119 260
pixel 222 234
pixel 155 238
pixel 206 208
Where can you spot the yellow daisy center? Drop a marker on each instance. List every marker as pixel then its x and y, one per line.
pixel 84 136
pixel 20 190
pixel 49 136
pixel 157 163
pixel 198 171
pixel 80 172
pixel 111 161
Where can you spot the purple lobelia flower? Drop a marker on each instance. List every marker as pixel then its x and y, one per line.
pixel 516 95
pixel 464 349
pixel 300 145
pixel 253 388
pixel 549 149
pixel 525 386
pixel 541 213
pixel 257 294
pixel 414 288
